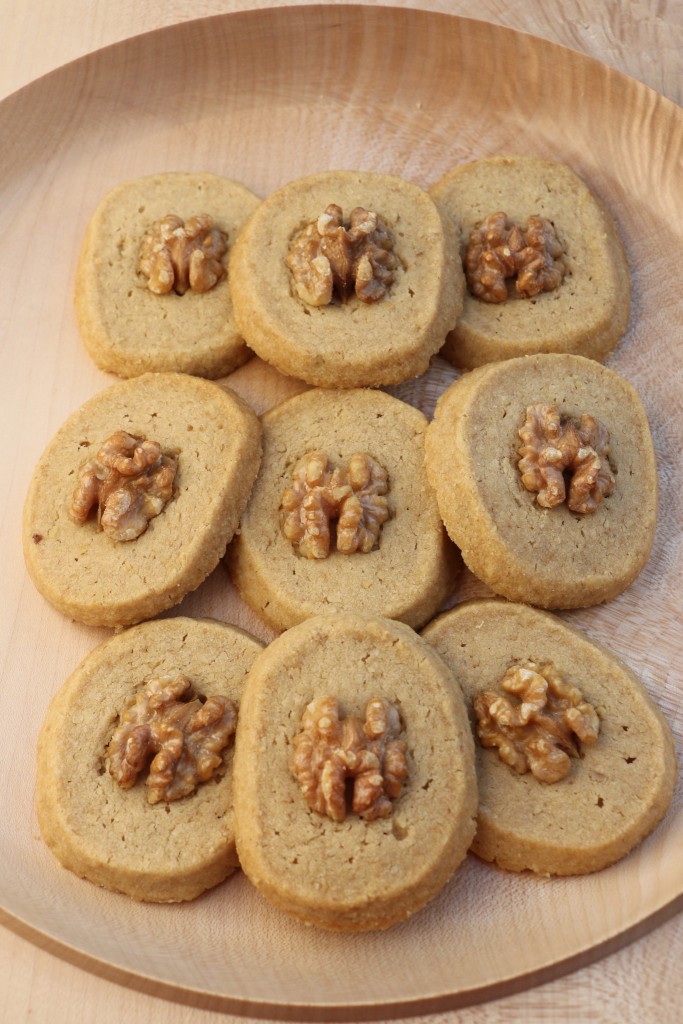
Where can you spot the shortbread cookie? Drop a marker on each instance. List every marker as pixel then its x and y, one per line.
pixel 555 556
pixel 586 313
pixel 338 867
pixel 617 786
pixel 348 342
pixel 133 839
pixel 409 566
pixel 209 440
pixel 129 329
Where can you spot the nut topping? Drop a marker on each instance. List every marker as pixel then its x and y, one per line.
pixel 330 750
pixel 177 255
pixel 328 259
pixel 354 496
pixel 498 251
pixel 185 736
pixel 554 447
pixel 543 729
pixel 130 480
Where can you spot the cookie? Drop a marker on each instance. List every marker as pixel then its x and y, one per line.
pixel 586 313
pixel 618 786
pixel 129 329
pixel 87 568
pixel 162 851
pixel 527 544
pixel 347 341
pixel 408 568
pixel 370 867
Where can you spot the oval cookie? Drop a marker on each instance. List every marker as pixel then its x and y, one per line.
pixel 588 312
pixel 411 567
pixel 353 874
pixel 348 343
pixel 158 852
pixel 553 557
pixel 213 436
pixel 128 329
pixel 617 789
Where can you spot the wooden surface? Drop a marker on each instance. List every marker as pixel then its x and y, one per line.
pixel 628 986
pixel 639 37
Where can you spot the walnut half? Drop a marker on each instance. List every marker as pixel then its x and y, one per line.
pixel 542 731
pixel 554 446
pixel 329 750
pixel 354 496
pixel 177 255
pixel 329 259
pixel 130 481
pixel 499 250
pixel 184 738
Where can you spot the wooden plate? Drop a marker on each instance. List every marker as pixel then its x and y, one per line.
pixel 265 97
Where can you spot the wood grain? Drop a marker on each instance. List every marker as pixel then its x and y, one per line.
pixel 438 104
pixel 641 38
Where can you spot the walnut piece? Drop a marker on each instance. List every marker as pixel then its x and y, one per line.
pixel 498 251
pixel 542 731
pixel 178 255
pixel 553 446
pixel 130 480
pixel 328 259
pixel 329 750
pixel 185 736
pixel 354 496
pixel 363 512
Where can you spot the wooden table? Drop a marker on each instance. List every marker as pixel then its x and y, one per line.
pixel 642 982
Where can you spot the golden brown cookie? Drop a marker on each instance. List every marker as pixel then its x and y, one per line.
pixel 410 567
pixel 161 851
pixel 617 787
pixel 211 436
pixel 129 329
pixel 587 313
pixel 555 556
pixel 354 342
pixel 354 871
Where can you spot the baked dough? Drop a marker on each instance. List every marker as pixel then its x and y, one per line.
pixel 161 852
pixel 125 327
pixel 414 568
pixel 102 582
pixel 551 557
pixel 588 313
pixel 616 792
pixel 352 344
pixel 353 875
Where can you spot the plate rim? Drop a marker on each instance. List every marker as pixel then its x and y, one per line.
pixel 335 1010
